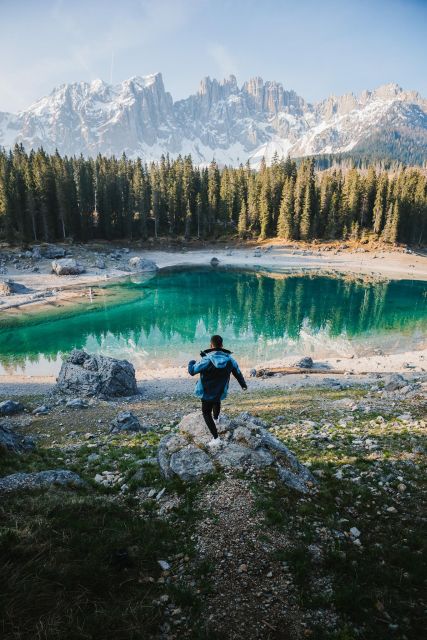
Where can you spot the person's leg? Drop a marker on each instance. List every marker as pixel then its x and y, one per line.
pixel 216 409
pixel 207 414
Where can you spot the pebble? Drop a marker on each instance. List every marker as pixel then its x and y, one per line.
pixel 164 565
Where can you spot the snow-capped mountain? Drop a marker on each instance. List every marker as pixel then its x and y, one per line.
pixel 222 120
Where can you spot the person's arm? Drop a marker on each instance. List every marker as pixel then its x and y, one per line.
pixel 196 367
pixel 238 374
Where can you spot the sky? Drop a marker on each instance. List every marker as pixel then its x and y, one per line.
pixel 315 47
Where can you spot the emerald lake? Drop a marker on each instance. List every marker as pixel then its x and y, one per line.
pixel 166 319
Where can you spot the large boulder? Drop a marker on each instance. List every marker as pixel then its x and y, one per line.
pixel 142 264
pixel 84 374
pixel 190 463
pixel 304 363
pixel 11 442
pixel 40 480
pixel 245 444
pixel 67 267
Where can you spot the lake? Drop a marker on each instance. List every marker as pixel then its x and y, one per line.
pixel 167 319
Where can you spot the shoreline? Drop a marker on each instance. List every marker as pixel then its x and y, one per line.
pixel 45 288
pixel 175 381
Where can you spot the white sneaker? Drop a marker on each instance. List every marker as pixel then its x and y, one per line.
pixel 215 443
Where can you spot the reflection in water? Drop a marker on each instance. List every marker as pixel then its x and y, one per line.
pixel 263 316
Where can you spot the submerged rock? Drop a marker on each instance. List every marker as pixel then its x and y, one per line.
pixel 245 443
pixel 11 442
pixel 67 267
pixel 8 407
pixel 126 421
pixel 142 264
pixel 40 480
pixel 95 375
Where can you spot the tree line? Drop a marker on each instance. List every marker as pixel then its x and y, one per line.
pixel 48 197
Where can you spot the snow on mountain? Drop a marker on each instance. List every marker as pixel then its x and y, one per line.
pixel 222 120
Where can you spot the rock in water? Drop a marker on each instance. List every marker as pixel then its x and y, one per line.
pixel 142 264
pixel 87 374
pixel 305 363
pixel 67 267
pixel 11 442
pixel 214 262
pixel 8 407
pixel 126 421
pixel 246 443
pixel 40 480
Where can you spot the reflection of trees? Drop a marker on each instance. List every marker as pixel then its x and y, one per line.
pixel 240 303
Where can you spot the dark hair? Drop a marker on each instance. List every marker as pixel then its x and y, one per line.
pixel 216 341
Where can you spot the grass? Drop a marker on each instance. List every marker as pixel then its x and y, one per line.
pixel 83 564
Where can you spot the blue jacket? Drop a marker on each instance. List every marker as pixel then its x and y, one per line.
pixel 215 369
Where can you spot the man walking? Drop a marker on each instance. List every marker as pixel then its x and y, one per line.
pixel 215 369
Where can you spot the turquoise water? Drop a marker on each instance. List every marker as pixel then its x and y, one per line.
pixel 167 319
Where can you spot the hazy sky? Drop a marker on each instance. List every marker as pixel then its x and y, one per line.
pixel 316 47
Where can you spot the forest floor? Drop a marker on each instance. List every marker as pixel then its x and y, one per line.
pixel 246 557
pixel 45 288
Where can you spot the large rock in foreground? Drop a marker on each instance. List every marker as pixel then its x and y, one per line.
pixel 246 443
pixel 84 374
pixel 40 480
pixel 142 265
pixel 67 267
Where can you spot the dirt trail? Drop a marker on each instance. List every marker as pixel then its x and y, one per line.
pixel 251 589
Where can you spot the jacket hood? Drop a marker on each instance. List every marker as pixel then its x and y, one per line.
pixel 219 359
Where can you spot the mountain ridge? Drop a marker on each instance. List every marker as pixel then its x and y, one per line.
pixel 223 120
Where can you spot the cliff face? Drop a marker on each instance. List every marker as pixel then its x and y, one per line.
pixel 222 120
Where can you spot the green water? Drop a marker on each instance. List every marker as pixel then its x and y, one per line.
pixel 165 320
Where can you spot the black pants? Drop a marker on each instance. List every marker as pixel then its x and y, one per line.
pixel 210 407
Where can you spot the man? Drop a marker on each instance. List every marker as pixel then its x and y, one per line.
pixel 215 369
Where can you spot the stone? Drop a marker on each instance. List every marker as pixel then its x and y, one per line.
pixel 36 253
pixel 52 251
pixel 126 421
pixel 96 375
pixel 140 264
pixel 66 267
pixel 246 444
pixel 354 531
pixel 190 463
pixel 40 480
pixel 77 403
pixel 99 263
pixel 11 442
pixel 42 410
pixel 8 407
pixel 9 288
pixel 214 262
pixel 305 363
pixel 165 566
pixel 395 382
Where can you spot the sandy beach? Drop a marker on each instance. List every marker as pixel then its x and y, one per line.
pixel 45 288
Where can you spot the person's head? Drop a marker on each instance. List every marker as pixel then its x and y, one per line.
pixel 216 342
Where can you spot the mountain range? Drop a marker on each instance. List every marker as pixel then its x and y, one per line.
pixel 223 120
